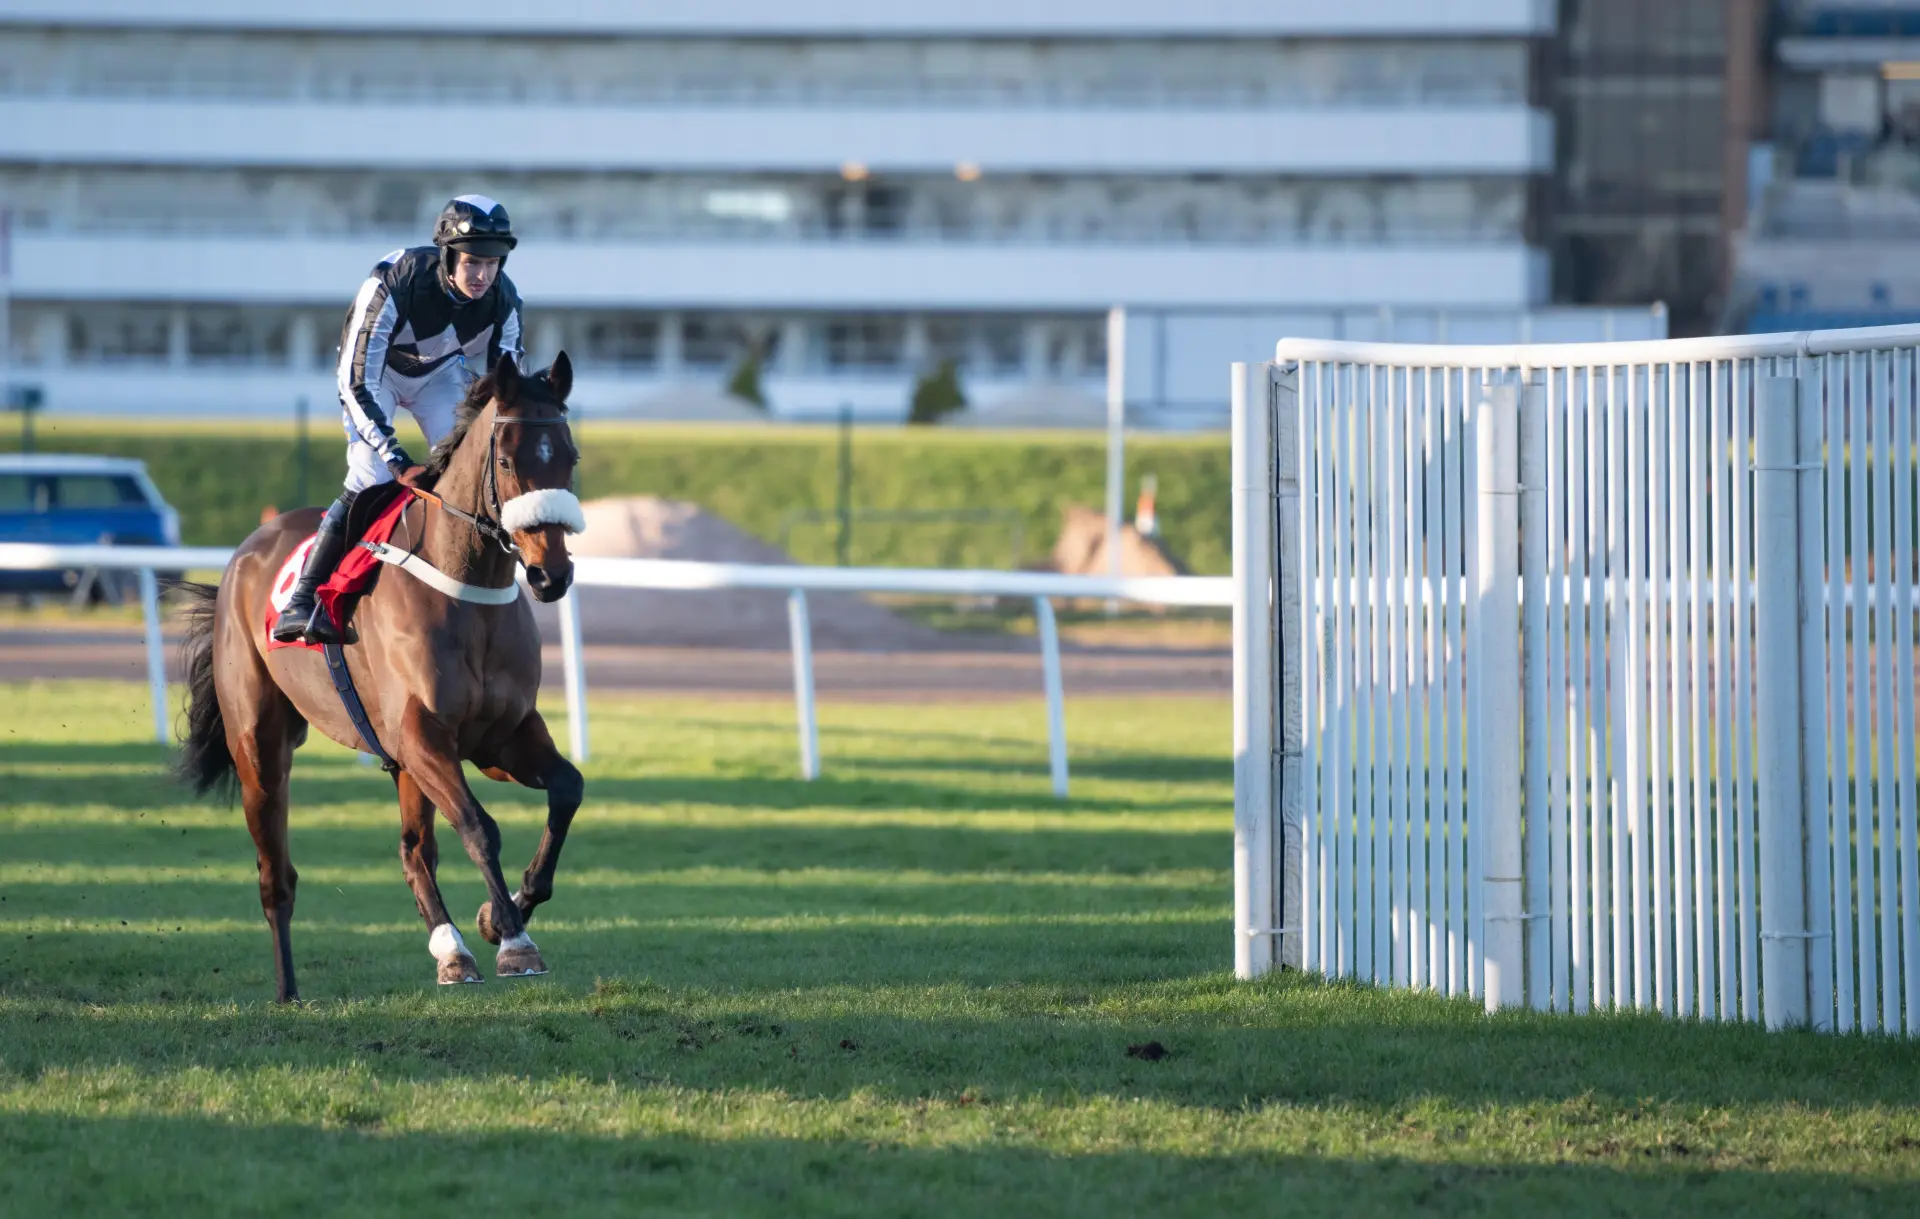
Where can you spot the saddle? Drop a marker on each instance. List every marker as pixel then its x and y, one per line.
pixel 373 517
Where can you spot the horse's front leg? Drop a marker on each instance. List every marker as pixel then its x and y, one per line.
pixel 429 753
pixel 530 758
pixel 420 857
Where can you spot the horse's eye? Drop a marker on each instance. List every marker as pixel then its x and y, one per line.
pixel 506 463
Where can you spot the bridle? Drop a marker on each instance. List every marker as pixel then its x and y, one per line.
pixel 485 519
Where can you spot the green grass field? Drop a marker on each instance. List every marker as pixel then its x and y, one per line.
pixel 907 989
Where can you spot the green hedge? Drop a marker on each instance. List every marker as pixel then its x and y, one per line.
pixel 220 476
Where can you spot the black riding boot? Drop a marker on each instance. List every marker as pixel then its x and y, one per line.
pixel 304 618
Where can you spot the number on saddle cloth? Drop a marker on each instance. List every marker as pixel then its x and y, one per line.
pixel 355 569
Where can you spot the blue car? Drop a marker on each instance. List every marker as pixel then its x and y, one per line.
pixel 74 500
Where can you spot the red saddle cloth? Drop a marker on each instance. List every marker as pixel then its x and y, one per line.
pixel 353 576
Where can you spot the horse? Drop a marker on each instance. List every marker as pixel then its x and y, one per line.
pixel 442 679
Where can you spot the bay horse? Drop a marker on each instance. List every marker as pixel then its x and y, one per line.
pixel 442 679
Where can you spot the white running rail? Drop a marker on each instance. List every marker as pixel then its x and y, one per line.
pixel 669 574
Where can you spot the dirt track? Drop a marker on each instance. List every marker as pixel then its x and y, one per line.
pixel 1011 670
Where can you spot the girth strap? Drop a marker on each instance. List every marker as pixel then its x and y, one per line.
pixel 350 699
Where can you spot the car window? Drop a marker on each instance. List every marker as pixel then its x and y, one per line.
pixel 98 491
pixel 21 493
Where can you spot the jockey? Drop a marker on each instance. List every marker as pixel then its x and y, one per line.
pixel 424 326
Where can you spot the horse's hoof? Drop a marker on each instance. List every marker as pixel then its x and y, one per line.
pixel 457 971
pixel 519 959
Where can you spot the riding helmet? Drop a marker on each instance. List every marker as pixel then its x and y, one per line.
pixel 475 224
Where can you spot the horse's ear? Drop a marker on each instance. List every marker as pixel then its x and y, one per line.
pixel 506 378
pixel 560 377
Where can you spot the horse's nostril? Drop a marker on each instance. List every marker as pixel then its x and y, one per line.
pixel 537 578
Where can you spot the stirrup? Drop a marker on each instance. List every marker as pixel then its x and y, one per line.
pixel 290 625
pixel 322 629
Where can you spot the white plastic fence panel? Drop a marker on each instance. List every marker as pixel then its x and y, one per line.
pixel 1654 816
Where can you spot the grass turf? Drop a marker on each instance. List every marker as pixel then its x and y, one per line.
pixel 909 988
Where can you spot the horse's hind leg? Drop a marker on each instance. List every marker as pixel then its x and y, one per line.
pixel 531 759
pixel 262 729
pixel 263 758
pixel 420 857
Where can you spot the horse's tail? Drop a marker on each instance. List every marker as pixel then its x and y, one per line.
pixel 204 764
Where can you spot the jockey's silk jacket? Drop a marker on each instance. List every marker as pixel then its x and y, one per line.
pixel 406 326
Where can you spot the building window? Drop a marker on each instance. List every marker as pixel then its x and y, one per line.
pixel 128 334
pixel 866 342
pixel 1003 345
pixel 24 337
pixel 626 341
pixel 237 335
pixel 767 70
pixel 323 338
pixel 711 341
pixel 1076 347
pixel 1173 210
pixel 949 338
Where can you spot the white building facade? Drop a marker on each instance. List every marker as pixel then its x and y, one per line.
pixel 854 190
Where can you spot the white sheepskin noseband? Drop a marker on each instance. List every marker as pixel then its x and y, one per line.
pixel 553 506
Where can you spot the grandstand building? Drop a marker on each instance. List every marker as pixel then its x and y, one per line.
pixel 846 192
pixel 1834 238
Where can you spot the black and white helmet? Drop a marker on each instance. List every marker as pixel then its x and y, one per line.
pixel 476 224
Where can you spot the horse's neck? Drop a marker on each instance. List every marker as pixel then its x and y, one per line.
pixel 453 545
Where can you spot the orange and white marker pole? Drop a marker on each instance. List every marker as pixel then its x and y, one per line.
pixel 1145 521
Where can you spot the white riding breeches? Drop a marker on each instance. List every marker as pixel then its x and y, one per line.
pixel 430 401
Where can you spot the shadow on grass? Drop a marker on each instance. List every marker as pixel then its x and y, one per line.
pixel 1005 1010
pixel 190 1165
pixel 1151 768
pixel 333 780
pixel 762 846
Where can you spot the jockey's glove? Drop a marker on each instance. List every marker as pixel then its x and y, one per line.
pixel 398 462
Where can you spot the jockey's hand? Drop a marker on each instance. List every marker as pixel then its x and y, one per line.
pixel 411 475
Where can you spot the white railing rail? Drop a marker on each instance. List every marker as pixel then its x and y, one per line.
pixel 684 575
pixel 1597 355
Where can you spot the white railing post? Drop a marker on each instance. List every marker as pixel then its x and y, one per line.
pixel 1255 913
pixel 1783 899
pixel 573 669
pixel 1495 732
pixel 1116 440
pixel 1056 695
pixel 1533 660
pixel 1289 660
pixel 802 633
pixel 1814 766
pixel 156 652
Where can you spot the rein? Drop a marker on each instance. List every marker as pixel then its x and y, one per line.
pixel 486 521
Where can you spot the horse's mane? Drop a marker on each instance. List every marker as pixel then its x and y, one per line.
pixel 479 394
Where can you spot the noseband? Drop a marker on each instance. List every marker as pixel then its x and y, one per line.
pixel 485 519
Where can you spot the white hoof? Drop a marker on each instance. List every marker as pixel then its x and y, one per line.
pixel 455 966
pixel 519 958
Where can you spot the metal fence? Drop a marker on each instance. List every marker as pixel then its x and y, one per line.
pixel 671 574
pixel 1586 674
